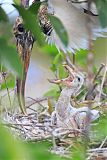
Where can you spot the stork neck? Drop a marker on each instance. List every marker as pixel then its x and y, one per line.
pixel 62 106
pixel 67 92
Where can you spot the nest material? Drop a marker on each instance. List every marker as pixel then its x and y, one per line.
pixel 36 126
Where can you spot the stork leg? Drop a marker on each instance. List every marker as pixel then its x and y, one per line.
pixel 22 81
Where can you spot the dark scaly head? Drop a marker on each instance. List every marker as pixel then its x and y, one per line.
pixel 18 27
pixel 44 21
pixel 24 38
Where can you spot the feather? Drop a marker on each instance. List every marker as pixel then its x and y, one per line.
pixel 74 17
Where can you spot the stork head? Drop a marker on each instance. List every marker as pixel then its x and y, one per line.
pixel 18 27
pixel 74 80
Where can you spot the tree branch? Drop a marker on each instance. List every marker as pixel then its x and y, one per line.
pixel 25 3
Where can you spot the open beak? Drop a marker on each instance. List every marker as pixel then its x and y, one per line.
pixel 55 81
pixel 70 70
pixel 69 78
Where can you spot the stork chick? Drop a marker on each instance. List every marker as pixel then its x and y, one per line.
pixel 67 115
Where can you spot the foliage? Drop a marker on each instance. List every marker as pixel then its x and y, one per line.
pixel 62 32
pixel 9 58
pixel 3 16
pixel 102 10
pixel 9 147
pixel 10 82
pixel 12 149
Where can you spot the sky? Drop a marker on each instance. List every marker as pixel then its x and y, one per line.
pixel 11 12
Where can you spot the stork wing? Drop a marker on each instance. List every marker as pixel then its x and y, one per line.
pixel 74 16
pixel 83 5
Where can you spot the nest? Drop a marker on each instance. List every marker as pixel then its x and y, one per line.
pixel 37 126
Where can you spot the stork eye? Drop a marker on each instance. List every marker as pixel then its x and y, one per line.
pixel 79 79
pixel 20 28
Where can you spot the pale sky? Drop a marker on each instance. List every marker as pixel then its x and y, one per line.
pixel 11 12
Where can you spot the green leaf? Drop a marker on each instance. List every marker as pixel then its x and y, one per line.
pixel 53 92
pixel 57 66
pixel 55 62
pixel 10 149
pixel 10 81
pixel 60 29
pixel 62 72
pixel 81 57
pixel 50 49
pixel 78 152
pixel 31 22
pixel 40 151
pixel 9 58
pixel 102 11
pixel 3 16
pixel 57 58
pixel 102 126
pixel 34 7
pixel 53 67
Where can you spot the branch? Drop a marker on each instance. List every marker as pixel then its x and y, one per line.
pixel 25 3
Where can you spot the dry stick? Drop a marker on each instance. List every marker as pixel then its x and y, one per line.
pixel 5 94
pixel 103 142
pixel 99 147
pixel 73 59
pixel 90 47
pixel 97 150
pixel 95 84
pixel 103 79
pixel 28 130
pixel 104 76
pixel 21 124
pixel 31 108
pixel 98 72
pixel 25 3
pixel 40 138
pixel 36 101
pixel 3 74
pixel 68 61
pixel 90 66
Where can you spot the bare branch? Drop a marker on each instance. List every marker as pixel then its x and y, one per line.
pixel 25 3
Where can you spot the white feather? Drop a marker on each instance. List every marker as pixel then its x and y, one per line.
pixel 75 22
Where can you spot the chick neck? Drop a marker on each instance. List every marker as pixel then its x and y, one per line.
pixel 63 105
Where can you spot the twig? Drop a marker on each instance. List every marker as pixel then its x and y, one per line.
pixel 38 101
pixel 13 126
pixel 103 79
pixel 68 61
pixel 97 150
pixel 29 107
pixel 99 147
pixel 3 74
pixel 98 72
pixel 40 138
pixel 103 142
pixel 25 3
pixel 21 124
